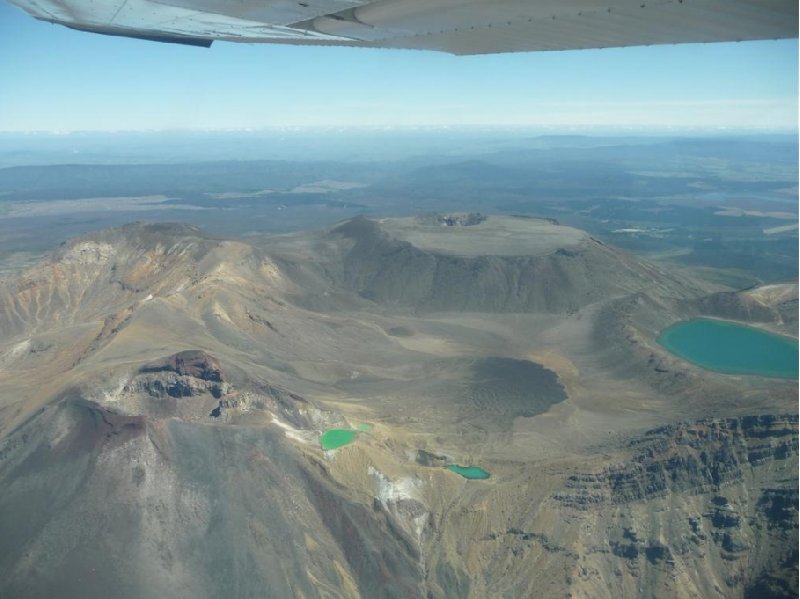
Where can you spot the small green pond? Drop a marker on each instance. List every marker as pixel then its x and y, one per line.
pixel 468 471
pixel 336 437
pixel 732 348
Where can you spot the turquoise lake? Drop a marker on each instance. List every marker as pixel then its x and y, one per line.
pixel 469 471
pixel 336 437
pixel 732 348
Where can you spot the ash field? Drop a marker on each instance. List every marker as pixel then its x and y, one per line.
pixel 164 392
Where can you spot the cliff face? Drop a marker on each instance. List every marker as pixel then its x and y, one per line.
pixel 688 458
pixel 731 507
pixel 696 509
pixel 193 363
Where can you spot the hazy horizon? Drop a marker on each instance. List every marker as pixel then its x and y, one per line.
pixel 343 144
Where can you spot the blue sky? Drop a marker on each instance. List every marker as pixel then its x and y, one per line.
pixel 55 79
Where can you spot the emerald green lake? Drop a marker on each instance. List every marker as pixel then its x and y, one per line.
pixel 468 471
pixel 336 437
pixel 732 348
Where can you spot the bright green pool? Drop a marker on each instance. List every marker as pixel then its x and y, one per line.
pixel 732 348
pixel 336 437
pixel 468 471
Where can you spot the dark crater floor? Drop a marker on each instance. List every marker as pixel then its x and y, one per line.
pixel 509 388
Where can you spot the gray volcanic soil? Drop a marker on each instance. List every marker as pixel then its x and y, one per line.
pixel 163 393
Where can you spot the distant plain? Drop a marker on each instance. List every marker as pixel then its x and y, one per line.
pixel 723 207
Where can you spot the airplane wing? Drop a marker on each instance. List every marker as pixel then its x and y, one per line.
pixel 454 26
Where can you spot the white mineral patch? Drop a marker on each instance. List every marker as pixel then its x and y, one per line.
pixel 403 499
pixel 113 395
pixel 391 491
pixel 220 312
pixel 19 349
pixel 63 426
pixel 292 432
pixel 419 524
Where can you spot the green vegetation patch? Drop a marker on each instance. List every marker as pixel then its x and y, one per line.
pixel 337 437
pixel 732 348
pixel 469 471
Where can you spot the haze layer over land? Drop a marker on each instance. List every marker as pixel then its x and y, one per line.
pixel 722 206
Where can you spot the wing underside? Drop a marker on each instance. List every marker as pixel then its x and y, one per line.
pixel 454 26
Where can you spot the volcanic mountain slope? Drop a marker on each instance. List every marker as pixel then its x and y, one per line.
pixel 501 264
pixel 162 395
pixel 134 463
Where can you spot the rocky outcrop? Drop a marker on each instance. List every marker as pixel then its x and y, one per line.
pixel 720 497
pixel 193 385
pixel 690 458
pixel 189 373
pixel 631 547
pixel 453 220
pixel 193 363
pixel 433 460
